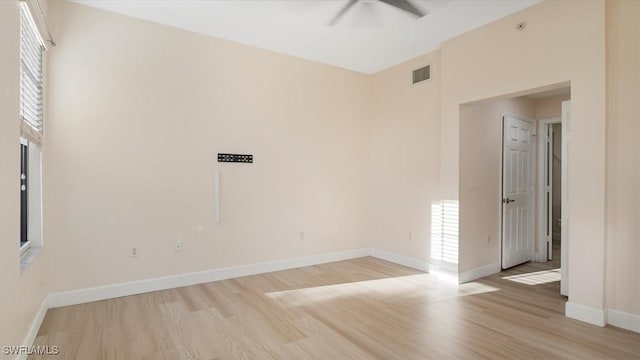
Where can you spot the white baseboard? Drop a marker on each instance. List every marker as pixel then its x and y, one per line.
pixel 443 271
pixel 572 310
pixel 623 320
pixel 479 272
pixel 80 296
pixel 414 263
pixel 35 326
pixel 584 313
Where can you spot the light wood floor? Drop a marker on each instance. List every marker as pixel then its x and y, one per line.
pixel 357 309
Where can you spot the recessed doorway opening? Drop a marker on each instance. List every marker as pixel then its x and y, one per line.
pixel 501 188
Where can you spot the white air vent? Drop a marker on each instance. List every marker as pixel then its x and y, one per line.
pixel 422 74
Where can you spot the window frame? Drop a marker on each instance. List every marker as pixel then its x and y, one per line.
pixel 24 170
pixel 31 136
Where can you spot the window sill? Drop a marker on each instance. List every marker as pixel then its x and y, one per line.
pixel 28 256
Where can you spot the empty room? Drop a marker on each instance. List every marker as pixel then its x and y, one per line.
pixel 319 179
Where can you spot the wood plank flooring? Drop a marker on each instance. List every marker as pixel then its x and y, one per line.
pixel 357 309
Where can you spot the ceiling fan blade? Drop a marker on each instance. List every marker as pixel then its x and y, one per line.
pixel 346 8
pixel 406 6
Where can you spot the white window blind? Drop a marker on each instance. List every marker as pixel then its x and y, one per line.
pixel 31 52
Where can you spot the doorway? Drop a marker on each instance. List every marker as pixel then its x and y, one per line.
pixel 554 143
pixel 550 179
pixel 549 249
pixel 482 185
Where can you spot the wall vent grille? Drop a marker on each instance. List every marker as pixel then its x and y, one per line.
pixel 421 74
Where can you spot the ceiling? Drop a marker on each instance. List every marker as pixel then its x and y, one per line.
pixel 370 37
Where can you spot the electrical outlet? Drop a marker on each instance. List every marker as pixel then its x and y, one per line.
pixel 412 235
pixel 489 238
pixel 301 235
pixel 133 252
pixel 178 246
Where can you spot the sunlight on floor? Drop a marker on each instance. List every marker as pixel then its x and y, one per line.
pixel 401 286
pixel 393 286
pixel 536 278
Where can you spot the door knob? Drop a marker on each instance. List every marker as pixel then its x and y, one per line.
pixel 507 200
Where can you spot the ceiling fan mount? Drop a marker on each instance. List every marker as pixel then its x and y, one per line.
pixel 404 5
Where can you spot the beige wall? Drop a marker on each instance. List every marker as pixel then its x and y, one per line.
pixel 480 166
pixel 139 112
pixel 404 150
pixel 550 107
pixel 496 60
pixel 21 293
pixel 623 160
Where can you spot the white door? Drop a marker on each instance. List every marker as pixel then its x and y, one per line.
pixel 549 193
pixel 517 191
pixel 564 216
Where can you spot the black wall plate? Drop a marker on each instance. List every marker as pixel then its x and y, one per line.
pixel 239 158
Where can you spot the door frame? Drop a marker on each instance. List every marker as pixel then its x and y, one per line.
pixel 541 255
pixel 566 199
pixel 534 162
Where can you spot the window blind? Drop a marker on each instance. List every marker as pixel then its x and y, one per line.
pixel 31 63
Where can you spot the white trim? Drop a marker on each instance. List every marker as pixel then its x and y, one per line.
pixel 479 272
pixel 29 257
pixel 80 296
pixel 24 248
pixel 565 213
pixel 572 310
pixel 442 270
pixel 500 189
pixel 584 313
pixel 623 320
pixel 541 255
pixel 35 326
pixel 448 268
pixel 413 263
